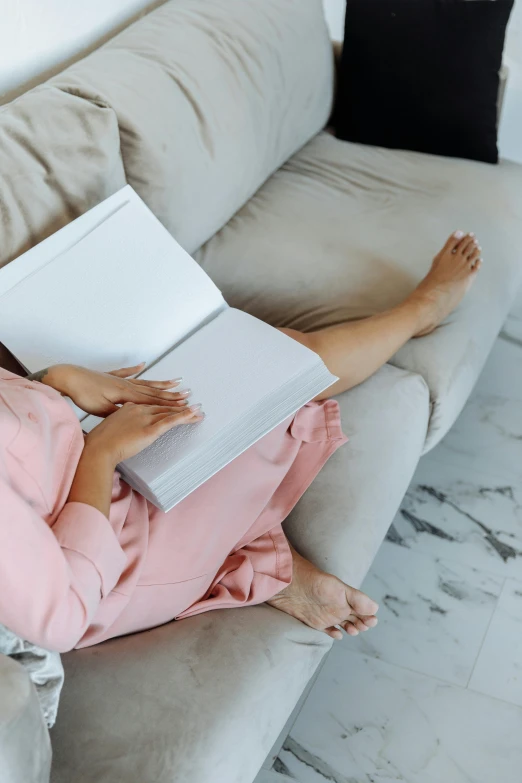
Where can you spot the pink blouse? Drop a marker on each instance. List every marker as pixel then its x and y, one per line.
pixel 71 577
pixel 50 579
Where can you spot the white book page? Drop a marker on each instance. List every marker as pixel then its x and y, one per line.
pixel 120 292
pixel 230 365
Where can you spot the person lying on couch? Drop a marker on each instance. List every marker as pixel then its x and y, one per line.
pixel 84 558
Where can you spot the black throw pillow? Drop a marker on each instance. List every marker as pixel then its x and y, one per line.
pixel 423 75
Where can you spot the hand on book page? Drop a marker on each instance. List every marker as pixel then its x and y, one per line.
pixel 100 393
pixel 132 428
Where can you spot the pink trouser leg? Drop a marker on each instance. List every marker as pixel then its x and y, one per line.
pixel 250 575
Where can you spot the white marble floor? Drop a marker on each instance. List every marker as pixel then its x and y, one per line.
pixel 434 694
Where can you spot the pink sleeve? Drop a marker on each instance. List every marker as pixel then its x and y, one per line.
pixel 5 375
pixel 53 579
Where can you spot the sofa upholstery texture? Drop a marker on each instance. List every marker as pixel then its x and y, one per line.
pixel 216 112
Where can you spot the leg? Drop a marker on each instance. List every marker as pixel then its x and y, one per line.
pixel 353 351
pixel 323 602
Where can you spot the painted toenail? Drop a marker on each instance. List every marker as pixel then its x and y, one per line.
pixel 459 234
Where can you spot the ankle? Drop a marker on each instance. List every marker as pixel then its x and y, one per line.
pixel 418 309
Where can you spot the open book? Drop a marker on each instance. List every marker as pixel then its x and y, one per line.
pixel 112 289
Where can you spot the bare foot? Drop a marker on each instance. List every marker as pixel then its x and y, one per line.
pixel 323 602
pixel 453 271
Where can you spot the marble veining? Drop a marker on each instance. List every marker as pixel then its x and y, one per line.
pixel 433 614
pixel 486 438
pixel 434 693
pixel 463 515
pixel 498 671
pixel 367 721
pixel 511 338
pixel 272 776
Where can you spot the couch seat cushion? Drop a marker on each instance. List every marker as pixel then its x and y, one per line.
pixel 343 231
pixel 196 701
pixel 202 699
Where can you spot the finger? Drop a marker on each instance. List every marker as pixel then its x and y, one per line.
pixel 152 398
pixel 149 410
pixel 176 420
pixel 125 372
pixel 167 422
pixel 157 384
pixel 108 408
pixel 168 411
pixel 156 394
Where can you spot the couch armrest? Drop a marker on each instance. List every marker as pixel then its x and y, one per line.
pixel 25 748
pixel 504 73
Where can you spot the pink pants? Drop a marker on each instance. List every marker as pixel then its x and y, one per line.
pixel 223 546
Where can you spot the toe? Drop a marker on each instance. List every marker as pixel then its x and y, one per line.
pixel 452 242
pixel 369 622
pixel 360 603
pixel 474 254
pixel 334 632
pixel 462 242
pixel 350 629
pixel 466 245
pixel 361 625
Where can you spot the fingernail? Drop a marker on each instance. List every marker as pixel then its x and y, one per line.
pixel 175 380
pixel 195 408
pixel 185 392
pixel 459 234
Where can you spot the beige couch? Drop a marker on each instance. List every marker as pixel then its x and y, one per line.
pixel 214 111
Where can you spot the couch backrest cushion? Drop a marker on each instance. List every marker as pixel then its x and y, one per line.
pixel 59 156
pixel 211 96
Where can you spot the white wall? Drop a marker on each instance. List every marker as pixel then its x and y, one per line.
pixel 511 124
pixel 38 37
pixel 510 132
